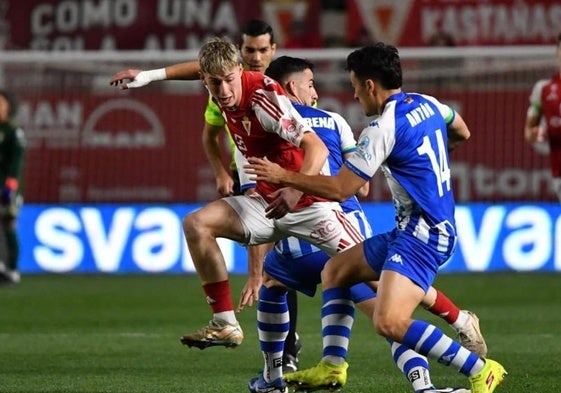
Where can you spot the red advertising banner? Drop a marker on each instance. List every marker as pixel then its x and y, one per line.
pixel 146 24
pixel 184 24
pixel 146 147
pixel 455 22
pixel 141 147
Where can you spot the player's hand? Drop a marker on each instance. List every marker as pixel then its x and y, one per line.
pixel 283 202
pixel 536 134
pixel 9 191
pixel 261 169
pixel 134 76
pixel 250 292
pixel 225 185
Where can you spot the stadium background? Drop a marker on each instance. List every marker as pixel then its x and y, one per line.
pixel 109 174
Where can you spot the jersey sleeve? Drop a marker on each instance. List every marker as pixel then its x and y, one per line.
pixel 276 113
pixel 348 141
pixel 245 182
pixel 447 113
pixel 213 115
pixel 375 144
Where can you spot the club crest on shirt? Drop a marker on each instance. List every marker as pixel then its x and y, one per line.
pixel 288 125
pixel 292 131
pixel 246 124
pixel 362 148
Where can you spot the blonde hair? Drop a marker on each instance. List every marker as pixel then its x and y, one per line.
pixel 218 56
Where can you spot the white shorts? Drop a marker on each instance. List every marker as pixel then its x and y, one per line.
pixel 323 224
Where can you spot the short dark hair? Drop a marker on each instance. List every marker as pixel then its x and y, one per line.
pixel 283 66
pixel 255 28
pixel 379 62
pixel 12 103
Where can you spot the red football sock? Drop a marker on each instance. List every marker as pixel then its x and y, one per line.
pixel 218 296
pixel 444 308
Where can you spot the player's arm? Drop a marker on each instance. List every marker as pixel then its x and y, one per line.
pixel 132 78
pixel 15 167
pixel 375 145
pixel 532 130
pixel 365 189
pixel 211 146
pixel 256 257
pixel 247 185
pixel 458 132
pixel 15 147
pixel 286 198
pixel 338 188
pixel 297 132
pixel 316 153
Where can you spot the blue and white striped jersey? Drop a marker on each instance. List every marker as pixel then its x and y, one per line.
pixel 338 137
pixel 409 143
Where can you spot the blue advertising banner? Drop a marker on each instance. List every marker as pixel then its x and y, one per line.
pixel 149 239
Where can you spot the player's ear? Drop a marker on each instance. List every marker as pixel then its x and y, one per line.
pixel 371 85
pixel 290 87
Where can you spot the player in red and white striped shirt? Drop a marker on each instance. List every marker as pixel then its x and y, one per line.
pixel 263 123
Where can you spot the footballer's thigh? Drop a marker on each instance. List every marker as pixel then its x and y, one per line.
pixel 217 219
pixel 347 268
pixel 255 227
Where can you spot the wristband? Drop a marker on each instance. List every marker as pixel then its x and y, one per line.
pixel 156 75
pixel 12 183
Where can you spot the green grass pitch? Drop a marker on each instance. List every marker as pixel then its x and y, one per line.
pixel 119 333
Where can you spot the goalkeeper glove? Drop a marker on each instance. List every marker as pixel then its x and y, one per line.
pixel 9 191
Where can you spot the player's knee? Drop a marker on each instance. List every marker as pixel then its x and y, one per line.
pixel 192 225
pixel 388 326
pixel 272 284
pixel 331 276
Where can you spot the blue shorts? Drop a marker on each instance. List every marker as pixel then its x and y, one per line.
pixel 401 252
pixel 304 274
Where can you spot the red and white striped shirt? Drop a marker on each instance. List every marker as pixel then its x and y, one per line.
pixel 265 124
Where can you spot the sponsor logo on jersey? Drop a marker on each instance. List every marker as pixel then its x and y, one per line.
pixel 362 148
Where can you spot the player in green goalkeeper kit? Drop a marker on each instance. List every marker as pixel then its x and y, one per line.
pixel 12 147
